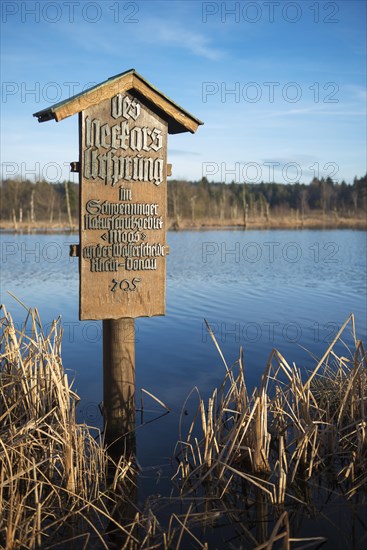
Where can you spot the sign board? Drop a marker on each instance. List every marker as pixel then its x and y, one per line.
pixel 123 127
pixel 123 210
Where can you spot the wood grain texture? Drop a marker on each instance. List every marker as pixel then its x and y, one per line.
pixel 109 289
pixel 178 119
pixel 118 379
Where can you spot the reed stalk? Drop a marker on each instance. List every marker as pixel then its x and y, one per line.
pixel 248 460
pixel 299 430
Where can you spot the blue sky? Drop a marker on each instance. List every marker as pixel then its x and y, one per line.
pixel 280 86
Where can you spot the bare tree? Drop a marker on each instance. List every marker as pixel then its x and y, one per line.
pixel 15 220
pixel 245 206
pixel 32 207
pixel 192 203
pixel 68 203
pixel 222 203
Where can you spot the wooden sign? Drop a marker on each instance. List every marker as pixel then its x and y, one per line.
pixel 123 210
pixel 123 126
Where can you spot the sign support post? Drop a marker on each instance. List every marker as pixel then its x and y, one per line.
pixel 123 127
pixel 119 380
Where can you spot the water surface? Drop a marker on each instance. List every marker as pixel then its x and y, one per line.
pixel 257 289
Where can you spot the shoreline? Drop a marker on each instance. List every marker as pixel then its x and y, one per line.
pixel 272 223
pixel 206 225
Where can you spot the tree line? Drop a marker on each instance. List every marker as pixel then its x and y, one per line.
pixel 198 200
pixel 26 201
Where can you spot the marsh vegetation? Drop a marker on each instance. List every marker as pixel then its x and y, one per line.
pixel 250 466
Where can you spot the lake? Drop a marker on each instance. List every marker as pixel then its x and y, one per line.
pixel 257 289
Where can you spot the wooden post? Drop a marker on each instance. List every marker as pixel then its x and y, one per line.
pixel 119 417
pixel 119 383
pixel 123 127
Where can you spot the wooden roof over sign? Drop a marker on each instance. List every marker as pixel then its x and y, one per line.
pixel 178 119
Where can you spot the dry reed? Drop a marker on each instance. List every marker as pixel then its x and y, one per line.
pixel 53 484
pixel 59 487
pixel 297 434
pixel 247 463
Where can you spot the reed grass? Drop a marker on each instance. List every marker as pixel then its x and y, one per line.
pixel 53 482
pixel 59 486
pixel 299 433
pixel 248 463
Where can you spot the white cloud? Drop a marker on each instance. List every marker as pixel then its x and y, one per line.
pixel 194 42
pixel 182 152
pixel 317 111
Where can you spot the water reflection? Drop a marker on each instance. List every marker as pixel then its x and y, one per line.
pixel 257 289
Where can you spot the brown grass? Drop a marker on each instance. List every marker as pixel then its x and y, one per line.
pixel 43 226
pixel 53 483
pixel 58 485
pixel 249 462
pixel 298 434
pixel 286 220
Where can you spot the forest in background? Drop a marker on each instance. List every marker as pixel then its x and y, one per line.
pixel 195 203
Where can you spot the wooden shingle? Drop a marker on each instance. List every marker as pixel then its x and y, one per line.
pixel 177 118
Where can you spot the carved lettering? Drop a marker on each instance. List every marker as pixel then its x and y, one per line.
pixel 96 206
pixel 125 284
pixel 99 265
pixel 117 136
pixel 92 132
pixel 112 169
pixel 123 205
pixel 121 222
pixel 124 107
pixel 125 194
pixel 140 265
